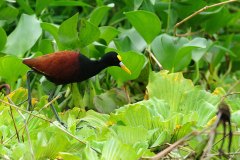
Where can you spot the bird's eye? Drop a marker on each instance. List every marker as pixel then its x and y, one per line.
pixel 119 57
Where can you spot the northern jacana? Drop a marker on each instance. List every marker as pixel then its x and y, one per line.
pixel 66 67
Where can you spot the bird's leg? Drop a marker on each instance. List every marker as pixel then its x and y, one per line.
pixel 224 135
pixel 53 108
pixel 230 136
pixel 29 90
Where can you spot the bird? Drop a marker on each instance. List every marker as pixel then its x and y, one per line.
pixel 65 67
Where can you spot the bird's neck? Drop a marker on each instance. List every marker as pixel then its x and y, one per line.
pixel 92 68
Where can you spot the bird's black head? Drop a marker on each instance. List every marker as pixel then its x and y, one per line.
pixel 111 59
pixel 114 59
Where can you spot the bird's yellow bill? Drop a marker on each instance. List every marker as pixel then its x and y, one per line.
pixel 125 68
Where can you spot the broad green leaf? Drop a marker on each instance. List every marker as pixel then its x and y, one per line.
pixel 98 14
pixel 146 23
pixel 11 69
pixel 169 87
pixel 3 38
pixel 214 23
pixel 89 154
pixel 96 120
pixel 41 5
pixel 181 95
pixel 236 118
pixel 46 46
pixel 137 4
pixel 67 33
pixel 130 39
pixel 25 6
pixel 135 115
pixel 134 61
pixel 165 49
pixel 175 54
pixel 110 100
pixel 115 149
pixel 24 36
pixel 131 135
pixel 69 3
pixel 53 30
pixel 8 13
pixel 108 33
pixel 88 33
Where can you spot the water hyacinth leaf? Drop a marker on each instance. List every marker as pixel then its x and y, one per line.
pixel 108 33
pixel 98 14
pixel 68 34
pixel 68 3
pixel 134 61
pixel 24 36
pixel 8 13
pixel 53 30
pixel 110 100
pixel 176 53
pixel 9 73
pixel 88 33
pixel 3 38
pixel 146 23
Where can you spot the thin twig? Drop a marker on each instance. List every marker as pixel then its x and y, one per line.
pixel 197 12
pixel 45 119
pixel 26 127
pixel 208 147
pixel 14 123
pixel 154 58
pixel 176 144
pixel 30 118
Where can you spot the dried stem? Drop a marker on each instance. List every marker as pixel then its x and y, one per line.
pixel 176 144
pixel 208 147
pixel 196 13
pixel 154 58
pixel 26 128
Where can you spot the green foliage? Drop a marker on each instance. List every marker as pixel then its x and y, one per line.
pixel 139 113
pixel 24 36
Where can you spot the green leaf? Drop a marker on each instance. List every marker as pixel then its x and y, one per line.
pixel 130 39
pixel 41 5
pixel 25 6
pixel 46 46
pixel 67 33
pixel 110 100
pixel 53 30
pixel 98 14
pixel 146 23
pixel 174 53
pixel 108 33
pixel 130 114
pixel 131 135
pixel 69 3
pixel 8 13
pixel 3 38
pixel 88 33
pixel 134 61
pixel 11 69
pixel 236 118
pixel 24 36
pixel 115 149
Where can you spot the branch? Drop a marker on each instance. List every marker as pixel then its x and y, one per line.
pixel 196 13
